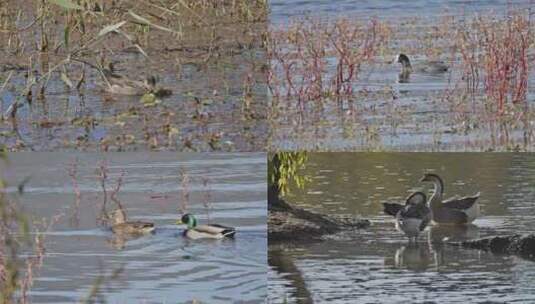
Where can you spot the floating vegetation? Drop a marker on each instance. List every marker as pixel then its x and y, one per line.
pixel 67 61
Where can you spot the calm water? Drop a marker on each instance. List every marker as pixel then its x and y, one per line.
pixel 281 10
pixel 417 118
pixel 376 265
pixel 159 268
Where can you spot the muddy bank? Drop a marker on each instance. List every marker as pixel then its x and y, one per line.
pixel 521 245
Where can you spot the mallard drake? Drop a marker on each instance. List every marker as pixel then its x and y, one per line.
pixel 210 231
pixel 429 67
pixel 411 218
pixel 455 210
pixel 121 226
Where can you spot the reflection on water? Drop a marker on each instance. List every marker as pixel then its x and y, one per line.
pixel 162 267
pixel 377 265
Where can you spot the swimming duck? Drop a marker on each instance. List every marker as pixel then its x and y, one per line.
pixel 210 231
pixel 430 67
pixel 121 226
pixel 413 217
pixel 119 84
pixel 122 85
pixel 455 210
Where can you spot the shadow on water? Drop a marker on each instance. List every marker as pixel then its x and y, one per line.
pixel 284 264
pixel 377 264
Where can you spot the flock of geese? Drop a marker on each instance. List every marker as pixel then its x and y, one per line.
pixel 193 230
pixel 418 212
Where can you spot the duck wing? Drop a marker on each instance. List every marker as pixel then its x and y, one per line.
pixel 216 229
pixel 421 212
pixel 449 216
pixel 137 225
pixel 461 203
pixel 392 208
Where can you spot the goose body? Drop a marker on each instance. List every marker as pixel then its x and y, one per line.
pixel 209 231
pixel 429 67
pixel 121 226
pixel 455 210
pixel 411 218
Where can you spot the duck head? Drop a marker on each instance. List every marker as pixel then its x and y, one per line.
pixel 404 60
pixel 187 219
pixel 150 81
pixel 417 198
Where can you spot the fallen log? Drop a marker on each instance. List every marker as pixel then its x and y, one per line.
pixel 287 223
pixel 522 245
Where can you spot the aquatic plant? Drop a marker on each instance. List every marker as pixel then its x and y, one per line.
pixel 102 172
pixel 184 191
pixel 74 45
pixel 494 55
pixel 302 53
pixel 72 171
pixel 207 197
pixel 21 254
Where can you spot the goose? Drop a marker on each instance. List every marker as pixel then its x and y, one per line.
pixel 121 226
pixel 209 231
pixel 429 67
pixel 411 218
pixel 455 210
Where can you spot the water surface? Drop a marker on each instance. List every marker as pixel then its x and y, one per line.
pixel 159 268
pixel 427 112
pixel 377 265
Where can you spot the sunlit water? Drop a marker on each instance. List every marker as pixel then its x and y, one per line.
pixel 159 268
pixel 377 265
pixel 386 114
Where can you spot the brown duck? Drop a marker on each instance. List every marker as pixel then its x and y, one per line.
pixel 122 226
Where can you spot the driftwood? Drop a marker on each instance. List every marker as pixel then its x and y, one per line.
pixel 522 245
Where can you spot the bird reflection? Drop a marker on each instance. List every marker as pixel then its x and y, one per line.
pixel 119 241
pixel 422 256
pixel 414 256
pixel 404 77
pixel 452 233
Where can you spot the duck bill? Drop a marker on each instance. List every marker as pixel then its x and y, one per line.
pixel 179 222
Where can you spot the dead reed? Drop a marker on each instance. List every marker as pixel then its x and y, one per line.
pixel 494 56
pixel 304 54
